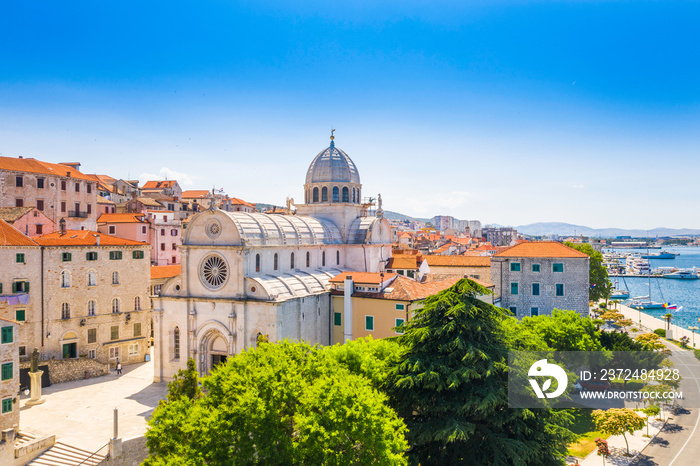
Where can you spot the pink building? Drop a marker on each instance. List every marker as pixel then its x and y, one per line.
pixel 28 220
pixel 166 238
pixel 130 226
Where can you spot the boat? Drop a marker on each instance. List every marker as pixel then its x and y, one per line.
pixel 618 293
pixel 644 302
pixel 659 255
pixel 635 265
pixel 682 274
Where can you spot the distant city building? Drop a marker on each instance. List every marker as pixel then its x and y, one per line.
pixel 502 236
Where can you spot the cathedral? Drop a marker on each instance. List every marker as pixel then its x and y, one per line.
pixel 247 276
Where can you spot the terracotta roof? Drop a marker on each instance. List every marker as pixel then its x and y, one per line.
pixel 407 289
pixel 458 261
pixel 159 184
pixel 404 261
pixel 10 236
pixel 121 218
pixel 541 249
pixel 103 200
pixel 236 201
pixel 165 271
pixel 443 248
pixel 195 193
pixel 43 168
pixel 149 201
pixel 405 234
pixel 84 238
pixel 370 278
pixel 12 214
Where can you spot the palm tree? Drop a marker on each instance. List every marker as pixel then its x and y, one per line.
pixel 668 318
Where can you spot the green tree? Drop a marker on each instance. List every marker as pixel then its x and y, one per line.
pixel 600 286
pixel 562 331
pixel 185 383
pixel 650 341
pixel 618 421
pixel 450 386
pixel 668 317
pixel 650 411
pixel 280 403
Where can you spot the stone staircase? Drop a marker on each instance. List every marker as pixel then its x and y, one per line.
pixel 65 455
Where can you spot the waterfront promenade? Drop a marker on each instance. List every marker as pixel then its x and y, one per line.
pixel 652 323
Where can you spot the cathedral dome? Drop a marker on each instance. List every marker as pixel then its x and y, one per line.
pixel 332 165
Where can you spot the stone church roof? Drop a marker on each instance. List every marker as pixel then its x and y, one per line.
pixel 262 229
pixel 332 165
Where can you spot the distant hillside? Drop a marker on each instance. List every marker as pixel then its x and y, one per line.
pixel 389 215
pixel 567 229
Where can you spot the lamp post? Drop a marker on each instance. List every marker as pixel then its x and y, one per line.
pixel 693 329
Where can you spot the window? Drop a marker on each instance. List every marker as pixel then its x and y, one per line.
pixel 19 182
pixel 324 194
pixel 291 261
pixel 92 335
pixel 115 306
pixel 337 319
pixel 133 349
pixel 63 185
pixel 399 325
pixel 535 289
pixel 173 259
pixel 20 287
pixel 92 278
pixel 7 405
pixel 112 230
pixel 114 332
pixel 77 187
pixel 137 329
pixel 39 229
pixel 65 279
pixel 400 307
pixel 91 308
pixel 536 268
pixel 20 315
pixel 22 350
pixel 65 311
pixel 144 229
pixel 91 354
pixel 115 255
pixel 173 232
pixel 257 262
pixel 323 259
pixel 165 219
pixel 559 289
pixel 40 183
pixel 114 352
pixel 174 247
pixel 275 261
pixel 515 266
pixel 337 257
pixel 6 335
pixel 176 343
pixel 162 232
pixel 19 202
pixel 66 257
pixel 156 289
pixel 89 188
pixel 89 209
pixel 40 204
pixel 91 256
pixel 514 310
pixel 557 267
pixel 137 254
pixel 315 195
pixel 115 278
pixel 308 259
pixel 514 288
pixel 346 195
pixel 162 247
pixel 369 322
pixel 137 303
pixel 534 311
pixel 336 194
pixel 63 207
pixel 19 258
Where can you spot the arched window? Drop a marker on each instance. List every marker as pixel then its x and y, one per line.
pixel 115 278
pixel 291 261
pixel 65 279
pixel 353 195
pixel 346 194
pixel 176 343
pixel 336 194
pixel 257 262
pixel 315 198
pixel 115 306
pixel 275 262
pixel 308 259
pixel 92 278
pixel 337 257
pixel 323 259
pixel 92 308
pixel 65 311
pixel 324 194
pixel 137 303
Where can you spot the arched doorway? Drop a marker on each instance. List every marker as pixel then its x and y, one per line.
pixel 213 350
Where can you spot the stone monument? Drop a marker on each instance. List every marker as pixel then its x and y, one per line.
pixel 35 380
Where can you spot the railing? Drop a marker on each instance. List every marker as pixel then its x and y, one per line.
pixel 94 453
pixel 77 214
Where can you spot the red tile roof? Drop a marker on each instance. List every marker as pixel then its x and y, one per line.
pixel 84 238
pixel 195 194
pixel 541 249
pixel 121 218
pixel 458 261
pixel 236 201
pixel 165 271
pixel 159 184
pixel 10 236
pixel 404 261
pixel 43 168
pixel 370 278
pixel 407 289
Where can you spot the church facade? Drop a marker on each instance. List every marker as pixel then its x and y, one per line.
pixel 247 276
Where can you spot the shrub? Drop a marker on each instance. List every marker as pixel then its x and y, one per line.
pixel 660 332
pixel 697 353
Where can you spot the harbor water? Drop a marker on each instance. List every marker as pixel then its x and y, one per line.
pixel 684 293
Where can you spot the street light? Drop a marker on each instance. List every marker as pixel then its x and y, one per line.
pixel 693 329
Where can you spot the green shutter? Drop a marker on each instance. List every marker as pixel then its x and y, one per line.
pixel 19 258
pixel 513 288
pixel 7 371
pixel 26 287
pixel 369 322
pixel 6 405
pixel 0 287
pixel 20 315
pixel 399 325
pixel 515 266
pixel 6 335
pixel 67 256
pixel 557 267
pixel 337 319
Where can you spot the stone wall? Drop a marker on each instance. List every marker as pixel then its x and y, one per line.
pixel 66 370
pixel 134 452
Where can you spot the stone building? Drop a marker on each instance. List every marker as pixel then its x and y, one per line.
pixel 165 237
pixel 247 275
pixel 9 380
pixel 96 296
pixel 29 220
pixel 441 267
pixel 533 278
pixel 170 188
pixel 58 190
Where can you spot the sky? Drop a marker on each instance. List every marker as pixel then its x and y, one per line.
pixel 511 112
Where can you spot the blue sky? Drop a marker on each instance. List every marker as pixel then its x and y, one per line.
pixel 507 112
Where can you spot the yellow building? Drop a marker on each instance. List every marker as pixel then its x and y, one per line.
pixel 379 304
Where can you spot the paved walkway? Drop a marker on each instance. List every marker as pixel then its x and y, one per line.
pixel 81 413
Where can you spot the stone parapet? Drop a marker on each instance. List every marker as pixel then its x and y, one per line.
pixel 66 370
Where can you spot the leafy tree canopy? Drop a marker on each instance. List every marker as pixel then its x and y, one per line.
pixel 562 331
pixel 618 421
pixel 600 286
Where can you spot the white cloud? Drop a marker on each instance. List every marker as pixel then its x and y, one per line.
pixel 167 174
pixel 578 186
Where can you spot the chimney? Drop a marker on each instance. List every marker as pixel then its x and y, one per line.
pixel 62 226
pixel 97 240
pixel 348 288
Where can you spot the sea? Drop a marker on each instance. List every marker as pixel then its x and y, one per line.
pixel 685 293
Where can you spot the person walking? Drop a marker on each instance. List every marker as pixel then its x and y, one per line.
pixel 119 367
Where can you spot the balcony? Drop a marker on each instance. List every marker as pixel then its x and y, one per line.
pixel 77 214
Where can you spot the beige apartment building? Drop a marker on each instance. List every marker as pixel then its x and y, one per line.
pixel 58 190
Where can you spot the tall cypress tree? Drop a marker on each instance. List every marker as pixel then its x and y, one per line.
pixel 450 386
